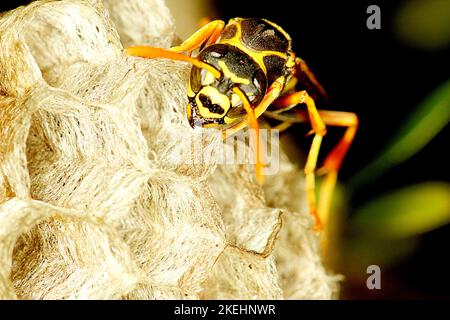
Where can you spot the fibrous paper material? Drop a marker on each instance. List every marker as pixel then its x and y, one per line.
pixel 98 198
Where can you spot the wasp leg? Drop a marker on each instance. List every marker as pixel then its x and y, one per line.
pixel 290 86
pixel 319 130
pixel 206 35
pixel 254 125
pixel 283 126
pixel 334 159
pixel 303 69
pixel 272 94
pixel 251 119
pixel 152 52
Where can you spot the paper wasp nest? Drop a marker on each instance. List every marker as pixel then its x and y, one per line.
pixel 96 199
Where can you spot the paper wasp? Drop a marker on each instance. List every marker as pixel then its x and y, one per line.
pixel 245 69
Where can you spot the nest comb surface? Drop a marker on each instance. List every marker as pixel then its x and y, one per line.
pixel 96 198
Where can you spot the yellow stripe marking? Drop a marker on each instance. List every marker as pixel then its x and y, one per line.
pixel 258 56
pixel 231 75
pixel 216 98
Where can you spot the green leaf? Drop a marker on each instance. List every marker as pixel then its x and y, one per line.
pixel 424 124
pixel 406 212
pixel 424 23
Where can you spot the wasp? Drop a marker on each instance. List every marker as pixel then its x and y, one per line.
pixel 245 69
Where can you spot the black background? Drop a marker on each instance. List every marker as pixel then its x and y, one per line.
pixel 372 73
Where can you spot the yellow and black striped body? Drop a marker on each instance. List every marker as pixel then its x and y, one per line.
pixel 250 54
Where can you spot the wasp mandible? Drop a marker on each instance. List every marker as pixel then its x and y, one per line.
pixel 246 68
